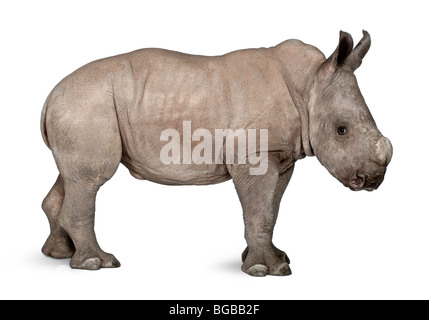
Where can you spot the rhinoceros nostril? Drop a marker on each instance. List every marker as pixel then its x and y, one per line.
pixel 357 182
pixel 362 178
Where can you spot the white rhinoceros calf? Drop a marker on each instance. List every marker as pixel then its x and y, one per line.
pixel 179 119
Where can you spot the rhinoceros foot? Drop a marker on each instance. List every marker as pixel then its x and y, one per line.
pixel 95 262
pixel 260 270
pixel 259 263
pixel 59 247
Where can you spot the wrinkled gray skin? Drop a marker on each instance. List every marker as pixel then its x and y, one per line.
pixel 113 110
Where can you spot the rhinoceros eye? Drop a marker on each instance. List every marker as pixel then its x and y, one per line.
pixel 342 130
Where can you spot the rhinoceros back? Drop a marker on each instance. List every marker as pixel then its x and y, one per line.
pixel 151 90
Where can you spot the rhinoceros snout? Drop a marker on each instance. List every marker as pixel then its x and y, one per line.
pixel 370 176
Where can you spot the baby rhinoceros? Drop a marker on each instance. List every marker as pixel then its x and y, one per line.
pixel 180 119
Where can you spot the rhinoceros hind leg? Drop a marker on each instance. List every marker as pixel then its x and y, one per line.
pixel 84 137
pixel 77 218
pixel 58 245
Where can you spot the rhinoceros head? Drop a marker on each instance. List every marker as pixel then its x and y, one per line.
pixel 342 131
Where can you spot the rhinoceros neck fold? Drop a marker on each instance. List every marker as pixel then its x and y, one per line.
pixel 305 135
pixel 299 63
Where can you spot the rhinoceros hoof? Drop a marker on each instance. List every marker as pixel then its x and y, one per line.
pixel 281 270
pixel 58 248
pixel 91 264
pixel 95 263
pixel 260 270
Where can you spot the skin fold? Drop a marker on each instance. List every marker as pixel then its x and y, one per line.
pixel 113 111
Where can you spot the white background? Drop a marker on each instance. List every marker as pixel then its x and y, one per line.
pixel 186 242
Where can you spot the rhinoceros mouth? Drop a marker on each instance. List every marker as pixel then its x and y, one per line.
pixel 362 181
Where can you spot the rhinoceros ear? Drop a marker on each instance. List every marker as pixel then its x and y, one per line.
pixel 337 59
pixel 354 60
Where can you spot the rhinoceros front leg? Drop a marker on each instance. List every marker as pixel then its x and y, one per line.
pixel 280 189
pixel 260 197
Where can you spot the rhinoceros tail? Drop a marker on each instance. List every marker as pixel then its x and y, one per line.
pixel 43 123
